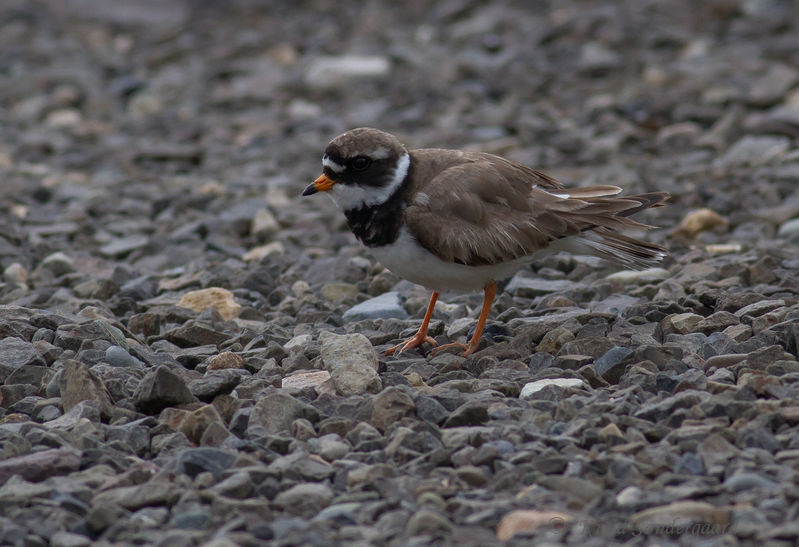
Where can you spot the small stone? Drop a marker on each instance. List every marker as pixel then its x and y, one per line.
pixel 79 383
pixel 747 481
pixel 716 322
pixel 386 306
pixel 262 251
pixel 757 309
pixel 59 263
pixel 661 410
pixel 338 292
pixel 334 71
pixel 553 340
pixel 427 522
pixel 612 364
pixel 122 246
pixel 15 354
pixel 193 461
pixel 754 150
pixel 161 388
pixel 789 228
pixel 640 277
pixel 469 413
pixel 305 499
pixel 629 496
pixel 63 117
pixel 264 224
pixel 216 382
pixel 119 357
pixel 520 521
pixel 389 406
pixel 15 273
pixel 222 300
pixel 69 539
pixel 725 248
pixel 197 422
pixel 276 411
pixel 724 361
pixel 691 464
pixel 302 429
pixel 680 514
pixel 699 221
pixel 352 363
pixel 331 447
pixel 37 466
pixel 611 433
pixel 225 360
pixel 533 387
pixel 682 323
pixel 302 380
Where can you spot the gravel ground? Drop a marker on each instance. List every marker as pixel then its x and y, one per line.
pixel 191 354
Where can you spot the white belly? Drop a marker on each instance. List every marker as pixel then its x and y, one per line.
pixel 407 259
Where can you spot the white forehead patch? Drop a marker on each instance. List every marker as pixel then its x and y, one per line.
pixel 348 197
pixel 333 166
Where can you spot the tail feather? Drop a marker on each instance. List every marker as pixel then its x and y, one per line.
pixel 599 237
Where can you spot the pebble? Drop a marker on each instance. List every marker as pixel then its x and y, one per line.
pixel 59 263
pixel 187 345
pixel 699 221
pixel 332 71
pixel 386 306
pixel 352 363
pixel 533 387
pixel 222 300
pixel 521 521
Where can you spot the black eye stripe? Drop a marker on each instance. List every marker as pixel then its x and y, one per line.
pixel 359 163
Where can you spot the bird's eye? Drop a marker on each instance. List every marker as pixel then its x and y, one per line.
pixel 360 163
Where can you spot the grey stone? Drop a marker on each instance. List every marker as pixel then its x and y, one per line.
pixel 119 357
pixel 352 363
pixel 306 499
pixel 16 353
pixel 611 365
pixel 161 388
pixel 746 481
pixel 277 410
pixel 389 406
pixel 59 263
pixel 386 306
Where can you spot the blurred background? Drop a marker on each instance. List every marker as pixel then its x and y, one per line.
pixel 128 126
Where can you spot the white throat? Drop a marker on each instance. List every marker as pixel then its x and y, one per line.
pixel 348 197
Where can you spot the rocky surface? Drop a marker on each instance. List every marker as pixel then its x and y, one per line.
pixel 191 354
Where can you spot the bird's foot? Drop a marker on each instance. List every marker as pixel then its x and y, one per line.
pixel 413 342
pixel 468 349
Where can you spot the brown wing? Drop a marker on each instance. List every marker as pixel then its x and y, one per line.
pixel 487 212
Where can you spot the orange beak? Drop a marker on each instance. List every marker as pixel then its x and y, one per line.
pixel 322 184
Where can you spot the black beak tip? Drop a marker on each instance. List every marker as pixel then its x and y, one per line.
pixel 309 190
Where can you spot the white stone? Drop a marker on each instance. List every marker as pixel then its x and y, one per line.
pixel 789 228
pixel 533 387
pixel 331 71
pixel 649 275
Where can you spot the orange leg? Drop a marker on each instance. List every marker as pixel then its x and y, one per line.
pixel 490 292
pixel 421 335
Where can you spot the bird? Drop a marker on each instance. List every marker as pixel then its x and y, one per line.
pixel 453 220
